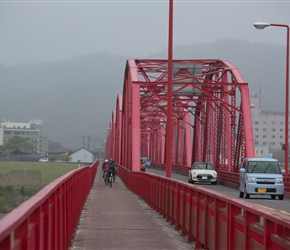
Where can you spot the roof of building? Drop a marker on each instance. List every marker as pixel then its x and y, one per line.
pixel 15 151
pixel 81 149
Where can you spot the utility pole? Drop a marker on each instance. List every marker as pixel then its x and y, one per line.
pixel 89 139
pixel 86 141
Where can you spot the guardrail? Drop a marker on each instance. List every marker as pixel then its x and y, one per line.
pixel 48 220
pixel 208 218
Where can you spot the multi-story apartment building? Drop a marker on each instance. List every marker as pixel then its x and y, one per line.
pixel 42 146
pixel 29 131
pixel 268 127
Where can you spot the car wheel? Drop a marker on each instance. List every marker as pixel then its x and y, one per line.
pixel 189 179
pixel 247 196
pixel 214 183
pixel 281 197
pixel 273 197
pixel 241 193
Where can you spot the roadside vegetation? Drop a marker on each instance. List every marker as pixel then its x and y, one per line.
pixel 18 141
pixel 21 180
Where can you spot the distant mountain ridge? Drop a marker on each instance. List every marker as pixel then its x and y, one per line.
pixel 75 97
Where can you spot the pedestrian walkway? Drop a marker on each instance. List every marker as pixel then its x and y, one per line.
pixel 116 218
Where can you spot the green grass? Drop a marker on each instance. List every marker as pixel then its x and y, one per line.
pixel 21 180
pixel 49 171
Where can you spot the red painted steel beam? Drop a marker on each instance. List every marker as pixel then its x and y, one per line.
pixel 211 118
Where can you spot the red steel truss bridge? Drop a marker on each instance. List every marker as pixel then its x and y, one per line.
pixel 211 116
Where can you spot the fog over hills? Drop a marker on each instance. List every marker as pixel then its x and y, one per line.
pixel 75 98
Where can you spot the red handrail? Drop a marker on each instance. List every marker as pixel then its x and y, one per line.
pixel 48 220
pixel 211 219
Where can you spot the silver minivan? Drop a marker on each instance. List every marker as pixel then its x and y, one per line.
pixel 261 176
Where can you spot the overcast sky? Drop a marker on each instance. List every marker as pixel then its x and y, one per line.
pixel 42 31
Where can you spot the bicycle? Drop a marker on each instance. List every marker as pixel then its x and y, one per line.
pixel 114 176
pixel 110 178
pixel 106 177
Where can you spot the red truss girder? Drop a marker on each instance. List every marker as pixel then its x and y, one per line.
pixel 211 113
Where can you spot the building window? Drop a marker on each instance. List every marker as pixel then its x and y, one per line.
pixel 281 129
pixel 281 123
pixel 264 136
pixel 264 122
pixel 273 130
pixel 264 129
pixel 256 122
pixel 256 129
pixel 273 136
pixel 273 123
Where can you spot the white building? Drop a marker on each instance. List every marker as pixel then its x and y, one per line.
pixel 42 146
pixel 29 131
pixel 268 127
pixel 82 155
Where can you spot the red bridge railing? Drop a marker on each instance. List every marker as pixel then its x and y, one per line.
pixel 48 220
pixel 210 219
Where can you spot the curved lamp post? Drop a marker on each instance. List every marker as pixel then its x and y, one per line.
pixel 260 26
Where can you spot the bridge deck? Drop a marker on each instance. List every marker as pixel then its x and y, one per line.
pixel 116 218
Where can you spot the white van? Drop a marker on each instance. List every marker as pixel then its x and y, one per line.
pixel 261 176
pixel 43 159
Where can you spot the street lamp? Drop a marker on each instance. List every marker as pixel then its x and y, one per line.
pixel 260 26
pixel 169 136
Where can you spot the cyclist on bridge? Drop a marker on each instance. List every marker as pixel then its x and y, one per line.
pixel 112 168
pixel 105 167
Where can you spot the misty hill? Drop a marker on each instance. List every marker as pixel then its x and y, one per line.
pixel 75 98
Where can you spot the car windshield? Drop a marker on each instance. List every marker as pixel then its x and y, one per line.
pixel 203 165
pixel 263 167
